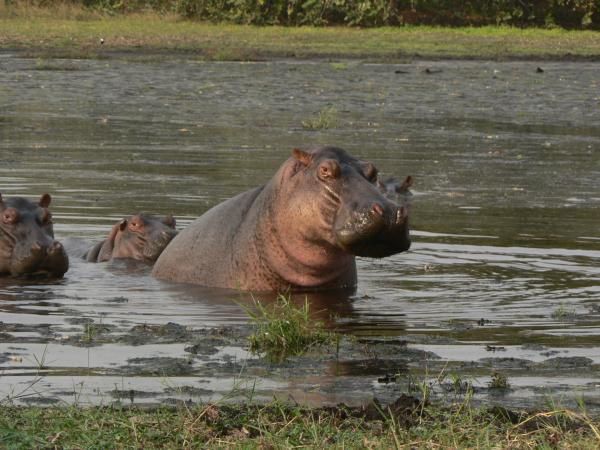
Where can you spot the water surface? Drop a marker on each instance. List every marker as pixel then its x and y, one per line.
pixel 503 274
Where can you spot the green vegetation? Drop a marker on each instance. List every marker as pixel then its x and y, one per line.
pixel 403 424
pixel 284 329
pixel 325 119
pixel 563 312
pixel 563 13
pixel 73 31
pixel 499 381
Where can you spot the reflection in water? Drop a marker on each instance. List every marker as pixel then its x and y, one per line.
pixel 506 244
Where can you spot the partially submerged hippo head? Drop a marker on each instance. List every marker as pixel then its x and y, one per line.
pixel 142 237
pixel 348 208
pixel 395 190
pixel 27 245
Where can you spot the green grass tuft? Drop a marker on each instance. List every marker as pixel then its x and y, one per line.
pixel 284 329
pixel 499 381
pixel 563 312
pixel 325 119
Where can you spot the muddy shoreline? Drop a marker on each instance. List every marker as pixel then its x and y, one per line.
pixel 356 371
pixel 152 54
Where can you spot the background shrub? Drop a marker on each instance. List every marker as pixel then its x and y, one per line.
pixel 572 14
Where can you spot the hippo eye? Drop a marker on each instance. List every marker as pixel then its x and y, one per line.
pixel 329 169
pixel 10 216
pixel 135 225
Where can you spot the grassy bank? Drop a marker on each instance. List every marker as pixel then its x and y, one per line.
pixel 404 424
pixel 74 32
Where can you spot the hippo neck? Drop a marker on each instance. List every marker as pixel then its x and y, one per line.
pixel 289 261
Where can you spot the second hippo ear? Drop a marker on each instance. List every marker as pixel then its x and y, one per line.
pixel 120 226
pixel 169 221
pixel 45 200
pixel 302 156
pixel 406 184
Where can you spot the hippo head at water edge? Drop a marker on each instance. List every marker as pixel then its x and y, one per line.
pixel 141 237
pixel 337 198
pixel 27 244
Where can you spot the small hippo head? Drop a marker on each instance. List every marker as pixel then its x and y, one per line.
pixel 27 244
pixel 346 205
pixel 141 236
pixel 396 191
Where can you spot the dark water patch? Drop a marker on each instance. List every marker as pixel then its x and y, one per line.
pixel 561 362
pixel 164 366
pixel 131 394
pixel 40 400
pixel 190 391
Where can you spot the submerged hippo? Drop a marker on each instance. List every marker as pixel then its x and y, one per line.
pixel 27 245
pixel 302 230
pixel 142 237
pixel 396 191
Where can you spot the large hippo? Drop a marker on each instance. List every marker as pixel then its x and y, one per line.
pixel 302 230
pixel 27 244
pixel 141 236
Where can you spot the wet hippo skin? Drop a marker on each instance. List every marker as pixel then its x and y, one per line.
pixel 302 230
pixel 27 244
pixel 142 237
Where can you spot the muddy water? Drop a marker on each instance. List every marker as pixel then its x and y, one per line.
pixel 503 275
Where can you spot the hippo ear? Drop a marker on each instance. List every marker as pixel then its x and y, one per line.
pixel 302 156
pixel 120 226
pixel 406 184
pixel 169 221
pixel 45 200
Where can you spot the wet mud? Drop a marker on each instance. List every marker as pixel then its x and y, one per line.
pixel 501 281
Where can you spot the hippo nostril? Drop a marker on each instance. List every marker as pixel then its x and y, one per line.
pixel 377 209
pixel 401 214
pixel 56 247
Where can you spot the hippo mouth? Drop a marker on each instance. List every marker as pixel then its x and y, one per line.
pixel 374 234
pixel 42 262
pixel 152 249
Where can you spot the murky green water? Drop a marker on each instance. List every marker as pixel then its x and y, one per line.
pixel 506 220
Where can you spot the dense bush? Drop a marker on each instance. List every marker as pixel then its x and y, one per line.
pixel 367 13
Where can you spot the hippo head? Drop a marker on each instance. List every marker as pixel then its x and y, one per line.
pixel 141 236
pixel 341 199
pixel 27 245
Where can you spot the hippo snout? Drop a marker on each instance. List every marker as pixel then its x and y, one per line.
pixel 55 247
pixel 167 235
pixel 43 258
pixel 391 215
pixel 377 231
pixel 57 261
pixel 154 247
pixel 38 249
